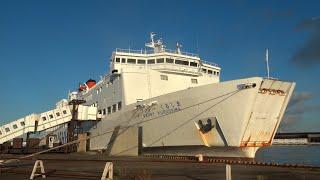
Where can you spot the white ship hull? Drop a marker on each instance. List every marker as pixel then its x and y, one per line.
pixel 242 120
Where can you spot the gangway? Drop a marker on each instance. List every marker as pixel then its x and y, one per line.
pixel 45 120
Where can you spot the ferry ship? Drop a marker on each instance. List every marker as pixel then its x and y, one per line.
pixel 164 101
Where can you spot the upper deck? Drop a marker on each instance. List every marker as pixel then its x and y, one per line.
pixel 165 59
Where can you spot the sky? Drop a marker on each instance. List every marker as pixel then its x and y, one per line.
pixel 48 47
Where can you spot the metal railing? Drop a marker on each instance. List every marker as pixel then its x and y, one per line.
pixel 165 50
pixel 152 52
pixel 209 63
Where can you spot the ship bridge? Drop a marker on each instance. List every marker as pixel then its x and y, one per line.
pixel 164 60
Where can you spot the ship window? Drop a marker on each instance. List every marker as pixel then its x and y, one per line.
pixel 104 111
pixel 99 112
pixel 15 126
pixel 119 106
pixel 217 73
pixel 204 70
pixel 209 71
pixel 44 118
pixel 22 123
pixel 114 108
pixel 64 112
pixel 141 61
pixel 193 64
pixel 214 72
pixel 194 81
pixel 123 60
pixel 131 61
pixel 58 114
pixel 109 110
pixel 117 60
pixel 182 62
pixel 0 133
pixel 7 129
pixel 151 61
pixel 161 60
pixel 169 60
pixel 50 116
pixel 164 77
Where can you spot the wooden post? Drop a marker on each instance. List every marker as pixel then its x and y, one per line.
pixel 108 171
pixel 38 164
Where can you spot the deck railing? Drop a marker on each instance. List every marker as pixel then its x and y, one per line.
pixel 152 52
pixel 165 50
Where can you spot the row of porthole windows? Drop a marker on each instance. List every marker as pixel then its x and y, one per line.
pixel 44 118
pixel 14 126
pixel 208 71
pixel 154 61
pixel 111 109
pixel 165 78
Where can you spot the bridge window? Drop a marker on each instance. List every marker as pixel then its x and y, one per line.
pixel 204 70
pixel 217 73
pixel 7 129
pixel 141 61
pixel 58 114
pixel 119 106
pixel 123 60
pixel 194 81
pixel 169 60
pixel 118 60
pixel 44 118
pixel 131 61
pixel 109 110
pixel 186 63
pixel 104 112
pixel 194 64
pixel 151 61
pixel 99 111
pixel 0 133
pixel 214 72
pixel 114 108
pixel 64 112
pixel 50 116
pixel 164 77
pixel 209 71
pixel 22 123
pixel 15 126
pixel 161 60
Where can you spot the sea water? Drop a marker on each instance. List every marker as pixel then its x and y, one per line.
pixel 302 154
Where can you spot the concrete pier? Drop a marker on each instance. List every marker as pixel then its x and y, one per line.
pixel 84 166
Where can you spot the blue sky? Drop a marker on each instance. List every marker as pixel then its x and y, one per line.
pixel 48 47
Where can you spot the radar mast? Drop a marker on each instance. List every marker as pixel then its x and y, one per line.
pixel 157 46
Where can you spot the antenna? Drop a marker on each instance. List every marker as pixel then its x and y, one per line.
pixel 197 43
pixel 267 60
pixel 178 48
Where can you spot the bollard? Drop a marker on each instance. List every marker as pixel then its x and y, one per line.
pixel 200 157
pixel 108 171
pixel 38 164
pixel 228 172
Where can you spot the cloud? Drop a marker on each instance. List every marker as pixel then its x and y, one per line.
pixel 299 98
pixel 309 53
pixel 297 106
